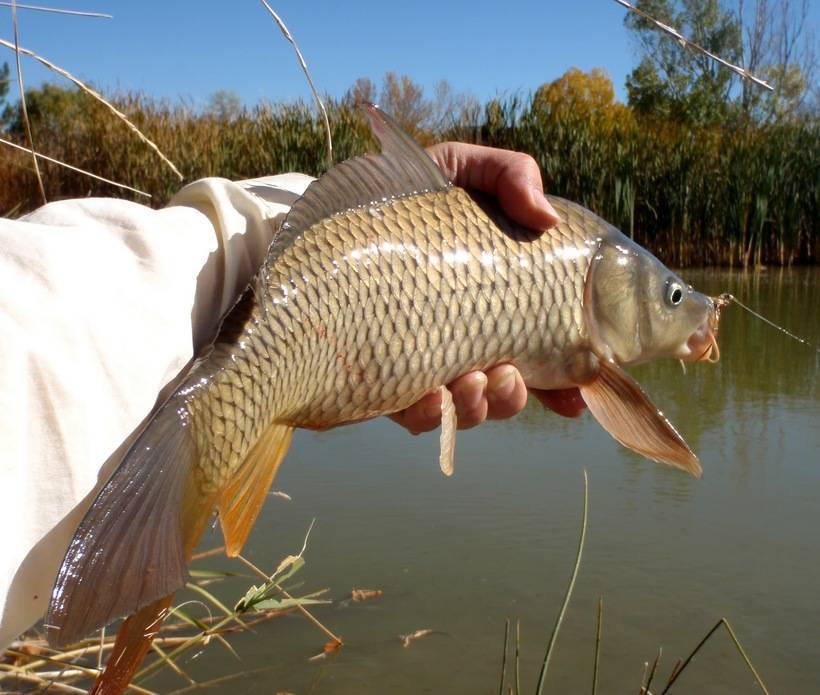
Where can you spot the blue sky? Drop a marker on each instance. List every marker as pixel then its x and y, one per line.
pixel 181 49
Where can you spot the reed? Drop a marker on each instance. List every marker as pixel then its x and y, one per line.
pixel 738 194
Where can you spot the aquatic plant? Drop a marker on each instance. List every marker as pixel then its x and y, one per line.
pixel 737 193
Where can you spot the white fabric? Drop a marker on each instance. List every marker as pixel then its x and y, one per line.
pixel 102 302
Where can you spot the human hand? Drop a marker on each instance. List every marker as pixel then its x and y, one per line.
pixel 498 393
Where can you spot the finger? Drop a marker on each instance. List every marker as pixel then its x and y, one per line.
pixel 566 402
pixel 506 392
pixel 470 399
pixel 512 177
pixel 423 416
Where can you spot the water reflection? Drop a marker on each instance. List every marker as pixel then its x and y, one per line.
pixel 669 554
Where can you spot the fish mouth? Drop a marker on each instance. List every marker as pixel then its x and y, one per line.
pixel 702 345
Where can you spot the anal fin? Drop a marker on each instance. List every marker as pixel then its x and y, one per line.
pixel 447 439
pixel 239 503
pixel 625 411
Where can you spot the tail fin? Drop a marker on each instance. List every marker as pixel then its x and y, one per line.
pixel 132 546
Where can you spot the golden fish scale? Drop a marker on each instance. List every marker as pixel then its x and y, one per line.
pixel 372 308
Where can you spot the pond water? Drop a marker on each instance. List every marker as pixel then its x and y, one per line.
pixel 670 555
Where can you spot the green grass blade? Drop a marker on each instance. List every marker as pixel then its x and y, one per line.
pixel 560 619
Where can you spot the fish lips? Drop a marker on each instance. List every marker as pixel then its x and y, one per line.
pixel 702 345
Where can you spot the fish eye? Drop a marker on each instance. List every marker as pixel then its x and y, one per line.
pixel 674 293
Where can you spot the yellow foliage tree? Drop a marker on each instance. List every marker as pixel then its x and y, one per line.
pixel 579 95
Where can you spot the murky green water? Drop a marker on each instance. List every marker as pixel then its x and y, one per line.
pixel 670 555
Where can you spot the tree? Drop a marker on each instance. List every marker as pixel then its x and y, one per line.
pixel 767 37
pixel 680 83
pixel 405 100
pixel 49 107
pixel 778 44
pixel 224 105
pixel 363 91
pixel 588 96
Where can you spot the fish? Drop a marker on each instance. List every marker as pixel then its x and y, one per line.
pixel 384 283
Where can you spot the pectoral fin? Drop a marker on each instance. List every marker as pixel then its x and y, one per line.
pixel 243 497
pixel 449 424
pixel 625 411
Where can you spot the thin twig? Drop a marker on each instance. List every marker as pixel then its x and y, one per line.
pixel 222 679
pixel 102 644
pixel 504 657
pixel 173 665
pixel 96 95
pixel 23 107
pixel 56 10
pixel 517 655
pixel 53 686
pixel 723 621
pixel 73 168
pixel 597 645
pixel 680 37
pixel 286 33
pixel 208 553
pixel 553 637
pixel 645 688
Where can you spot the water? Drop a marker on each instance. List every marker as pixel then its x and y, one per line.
pixel 670 555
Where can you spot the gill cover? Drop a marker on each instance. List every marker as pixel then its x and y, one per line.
pixel 636 308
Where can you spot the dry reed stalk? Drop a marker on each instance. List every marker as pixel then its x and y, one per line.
pixel 23 107
pixel 57 10
pixel 73 168
pixel 681 667
pixel 319 103
pixel 96 95
pixel 683 40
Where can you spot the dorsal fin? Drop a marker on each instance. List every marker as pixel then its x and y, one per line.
pixel 403 168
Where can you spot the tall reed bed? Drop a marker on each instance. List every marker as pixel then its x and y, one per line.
pixel 733 194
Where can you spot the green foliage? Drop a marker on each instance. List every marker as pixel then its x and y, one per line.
pixel 678 83
pixel 732 193
pixel 48 108
pixel 769 38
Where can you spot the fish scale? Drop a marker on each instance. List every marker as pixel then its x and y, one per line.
pixel 372 317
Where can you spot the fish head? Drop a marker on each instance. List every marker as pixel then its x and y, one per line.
pixel 638 310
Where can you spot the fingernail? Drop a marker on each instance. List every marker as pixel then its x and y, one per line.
pixel 504 387
pixel 476 394
pixel 541 201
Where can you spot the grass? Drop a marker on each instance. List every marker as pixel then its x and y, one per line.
pixel 650 671
pixel 30 664
pixel 738 194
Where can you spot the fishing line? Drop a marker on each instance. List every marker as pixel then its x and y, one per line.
pixel 732 298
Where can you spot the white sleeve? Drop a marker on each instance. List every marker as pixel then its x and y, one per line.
pixel 102 302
